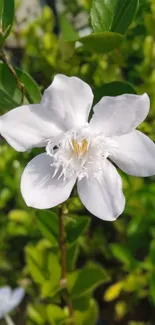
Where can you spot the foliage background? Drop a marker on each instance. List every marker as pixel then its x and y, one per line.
pixel 123 251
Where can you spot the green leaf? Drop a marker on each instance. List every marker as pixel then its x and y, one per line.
pixel 50 286
pixel 115 88
pixel 68 32
pixel 81 303
pixel 112 15
pixel 75 228
pixel 6 18
pixel 102 42
pixel 72 254
pixel 124 13
pixel 10 95
pixel 55 315
pixel 88 316
pixel 101 14
pixel 123 254
pixel 49 225
pixel 37 314
pixel 84 281
pixel 30 85
pixel 35 263
pixel 113 292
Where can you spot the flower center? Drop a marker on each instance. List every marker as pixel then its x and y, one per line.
pixel 79 153
pixel 80 147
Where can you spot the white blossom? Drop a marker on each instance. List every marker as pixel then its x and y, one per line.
pixel 9 299
pixel 80 151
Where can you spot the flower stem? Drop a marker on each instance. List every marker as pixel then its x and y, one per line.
pixel 63 280
pixel 20 85
pixel 8 320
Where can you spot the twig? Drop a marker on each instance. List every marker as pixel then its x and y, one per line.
pixel 63 280
pixel 20 85
pixel 8 320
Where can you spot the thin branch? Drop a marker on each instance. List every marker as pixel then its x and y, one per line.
pixel 63 280
pixel 20 85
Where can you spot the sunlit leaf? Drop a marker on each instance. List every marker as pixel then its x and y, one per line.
pixel 112 15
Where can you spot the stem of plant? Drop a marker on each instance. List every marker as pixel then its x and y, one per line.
pixel 8 320
pixel 20 85
pixel 63 280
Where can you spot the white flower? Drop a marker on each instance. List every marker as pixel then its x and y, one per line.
pixel 76 150
pixel 9 299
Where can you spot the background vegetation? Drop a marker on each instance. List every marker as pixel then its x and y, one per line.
pixel 114 281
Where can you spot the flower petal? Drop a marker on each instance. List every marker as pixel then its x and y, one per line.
pixel 135 154
pixel 119 115
pixel 5 292
pixel 69 99
pixel 28 126
pixel 17 296
pixel 38 186
pixel 103 195
pixel 5 296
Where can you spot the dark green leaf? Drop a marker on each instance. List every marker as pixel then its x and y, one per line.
pixel 49 225
pixel 123 254
pixel 115 88
pixel 124 13
pixel 30 85
pixel 81 303
pixel 112 15
pixel 10 95
pixel 152 286
pixel 72 254
pixel 6 17
pixel 86 280
pixel 75 228
pixel 102 42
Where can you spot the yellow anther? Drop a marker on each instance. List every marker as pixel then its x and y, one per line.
pixel 80 148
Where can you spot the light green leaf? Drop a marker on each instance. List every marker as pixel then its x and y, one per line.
pixel 68 32
pixel 35 263
pixel 88 316
pixel 50 286
pixel 55 315
pixel 113 292
pixel 37 314
pixel 102 42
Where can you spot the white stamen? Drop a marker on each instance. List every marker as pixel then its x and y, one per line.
pixel 80 153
